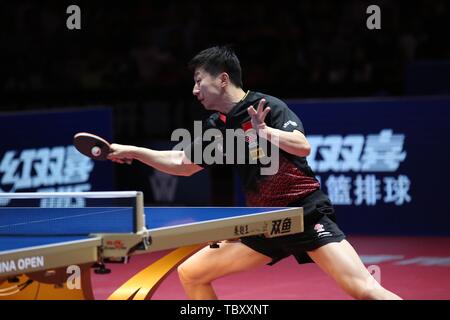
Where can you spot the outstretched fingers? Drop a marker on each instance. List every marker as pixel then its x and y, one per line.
pixel 259 115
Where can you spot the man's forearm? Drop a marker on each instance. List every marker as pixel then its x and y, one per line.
pixel 292 142
pixel 171 161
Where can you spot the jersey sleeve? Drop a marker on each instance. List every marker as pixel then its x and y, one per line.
pixel 283 118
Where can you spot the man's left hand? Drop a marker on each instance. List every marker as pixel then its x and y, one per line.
pixel 258 116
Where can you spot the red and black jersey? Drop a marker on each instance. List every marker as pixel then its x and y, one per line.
pixel 239 146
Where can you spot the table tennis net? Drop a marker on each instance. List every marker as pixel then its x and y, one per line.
pixel 100 214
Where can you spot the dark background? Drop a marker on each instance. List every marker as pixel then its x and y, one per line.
pixel 132 56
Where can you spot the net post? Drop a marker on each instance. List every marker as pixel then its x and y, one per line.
pixel 140 215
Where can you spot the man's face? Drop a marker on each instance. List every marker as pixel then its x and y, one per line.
pixel 207 88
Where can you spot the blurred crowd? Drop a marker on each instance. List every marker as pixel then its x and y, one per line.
pixel 140 49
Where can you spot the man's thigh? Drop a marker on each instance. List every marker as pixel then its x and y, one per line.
pixel 231 257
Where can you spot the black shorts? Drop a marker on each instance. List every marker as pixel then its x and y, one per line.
pixel 320 228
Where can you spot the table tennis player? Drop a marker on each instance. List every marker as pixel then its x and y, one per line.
pixel 218 87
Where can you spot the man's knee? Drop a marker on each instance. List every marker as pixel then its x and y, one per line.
pixel 189 274
pixel 367 290
pixel 366 293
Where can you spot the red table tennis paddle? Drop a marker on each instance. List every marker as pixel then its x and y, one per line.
pixel 93 146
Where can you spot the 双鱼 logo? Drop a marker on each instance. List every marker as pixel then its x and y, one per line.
pixel 281 226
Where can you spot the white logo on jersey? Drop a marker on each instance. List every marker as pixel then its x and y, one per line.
pixel 290 122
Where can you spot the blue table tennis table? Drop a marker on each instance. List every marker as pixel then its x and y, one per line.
pixel 39 244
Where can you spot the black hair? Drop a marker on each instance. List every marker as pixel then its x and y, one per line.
pixel 218 59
